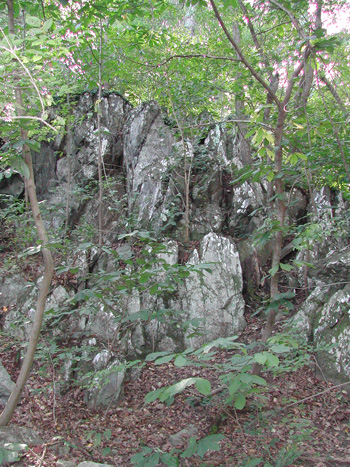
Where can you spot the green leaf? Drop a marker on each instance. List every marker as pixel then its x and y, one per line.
pixel 209 443
pixel 152 460
pixel 165 359
pixel 191 448
pixel 153 289
pixel 260 358
pixel 286 267
pixel 280 348
pixel 169 460
pixel 177 388
pixel 234 386
pixel 240 401
pixel 245 378
pixel 272 360
pixel 21 167
pixel 153 395
pixel 258 380
pixel 153 356
pixel 203 386
pixel 180 361
pixel 274 270
pixel 47 25
pixel 33 21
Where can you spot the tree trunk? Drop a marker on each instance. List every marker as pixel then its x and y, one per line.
pixel 48 262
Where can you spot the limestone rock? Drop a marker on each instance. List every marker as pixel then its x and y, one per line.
pixel 325 316
pixel 178 439
pixel 15 439
pixel 63 463
pixel 6 385
pixel 92 464
pixel 107 387
pixel 147 150
pixel 216 298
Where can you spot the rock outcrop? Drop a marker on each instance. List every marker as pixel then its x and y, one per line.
pixel 324 318
pixel 144 164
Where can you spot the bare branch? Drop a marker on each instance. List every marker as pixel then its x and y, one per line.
pixel 293 19
pixel 27 117
pixel 242 57
pixel 257 44
pixel 334 93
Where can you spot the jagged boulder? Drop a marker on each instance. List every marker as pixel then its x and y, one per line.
pixel 6 385
pixel 148 145
pixel 14 441
pixel 216 297
pixel 324 318
pixel 107 386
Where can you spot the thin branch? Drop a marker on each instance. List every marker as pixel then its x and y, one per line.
pixel 334 93
pixel 27 117
pixel 315 395
pixel 12 52
pixel 172 57
pixel 212 57
pixel 295 74
pixel 257 44
pixel 242 56
pixel 264 125
pixel 293 19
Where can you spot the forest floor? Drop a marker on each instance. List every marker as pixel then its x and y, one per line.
pixel 277 428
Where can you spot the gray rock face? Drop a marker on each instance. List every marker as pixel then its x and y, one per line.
pixel 66 169
pixel 92 464
pixel 20 434
pixel 324 317
pixel 12 289
pixel 6 385
pixel 16 439
pixel 147 150
pixel 107 387
pixel 216 298
pixel 9 188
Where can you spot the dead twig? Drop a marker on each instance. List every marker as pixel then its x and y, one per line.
pixel 315 395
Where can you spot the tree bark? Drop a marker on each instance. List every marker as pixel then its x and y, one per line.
pixel 11 404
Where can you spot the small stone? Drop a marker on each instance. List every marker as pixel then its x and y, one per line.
pixel 177 439
pixel 61 463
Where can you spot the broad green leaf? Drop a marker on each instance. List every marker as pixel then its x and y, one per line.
pixel 234 386
pixel 260 358
pixel 169 460
pixel 272 360
pixel 180 361
pixel 274 270
pixel 203 386
pixel 270 138
pixel 33 21
pixel 209 443
pixel 191 448
pixel 177 388
pixel 245 378
pixel 153 356
pixel 286 267
pixel 165 359
pixel 153 289
pixel 153 395
pixel 47 25
pixel 258 380
pixel 152 460
pixel 240 401
pixel 280 348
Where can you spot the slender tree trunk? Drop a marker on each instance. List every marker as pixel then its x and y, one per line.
pixel 48 262
pixel 99 162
